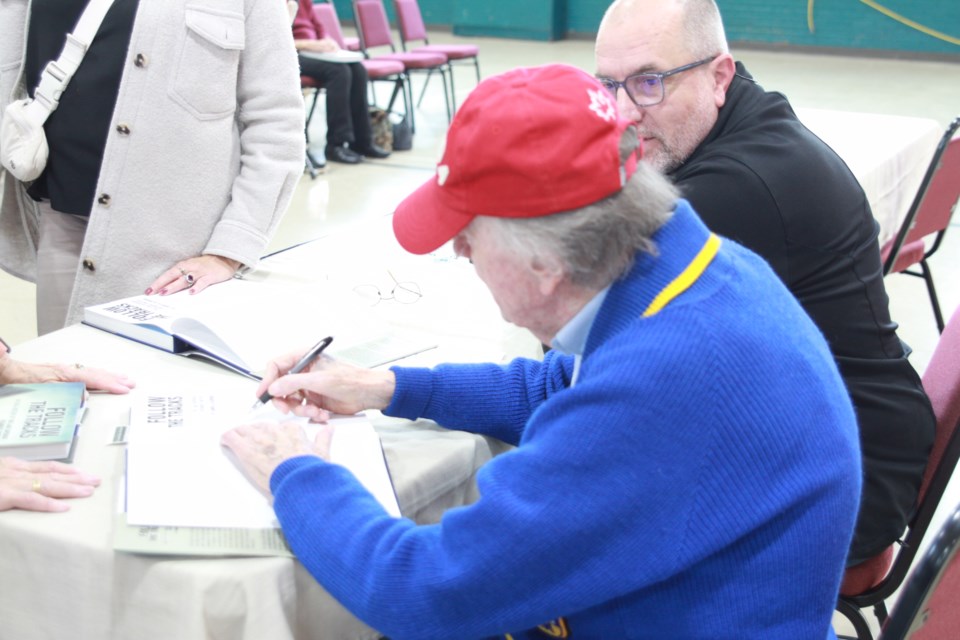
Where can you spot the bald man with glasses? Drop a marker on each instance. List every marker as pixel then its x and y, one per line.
pixel 755 174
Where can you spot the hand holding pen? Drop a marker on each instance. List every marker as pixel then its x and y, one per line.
pixel 308 358
pixel 325 386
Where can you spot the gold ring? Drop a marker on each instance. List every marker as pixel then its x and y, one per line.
pixel 37 485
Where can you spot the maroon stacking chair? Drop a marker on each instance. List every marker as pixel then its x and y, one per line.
pixel 326 13
pixel 929 215
pixel 389 71
pixel 870 583
pixel 927 607
pixel 374 30
pixel 412 30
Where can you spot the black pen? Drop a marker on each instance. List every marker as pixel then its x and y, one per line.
pixel 304 362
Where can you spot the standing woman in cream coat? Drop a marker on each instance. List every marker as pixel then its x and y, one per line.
pixel 194 113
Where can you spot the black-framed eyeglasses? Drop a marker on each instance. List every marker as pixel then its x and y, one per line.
pixel 646 89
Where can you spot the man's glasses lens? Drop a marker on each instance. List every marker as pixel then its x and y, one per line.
pixel 646 89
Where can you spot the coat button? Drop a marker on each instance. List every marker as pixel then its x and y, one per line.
pixel 88 265
pixel 123 129
pixel 140 60
pixel 104 199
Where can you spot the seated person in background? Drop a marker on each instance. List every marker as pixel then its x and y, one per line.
pixel 686 445
pixel 349 135
pixel 756 175
pixel 37 486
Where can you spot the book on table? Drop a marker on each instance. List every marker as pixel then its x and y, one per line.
pixel 183 494
pixel 244 324
pixel 342 56
pixel 41 421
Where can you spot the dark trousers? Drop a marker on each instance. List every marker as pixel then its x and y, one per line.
pixel 348 117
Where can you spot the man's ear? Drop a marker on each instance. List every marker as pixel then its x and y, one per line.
pixel 549 274
pixel 724 69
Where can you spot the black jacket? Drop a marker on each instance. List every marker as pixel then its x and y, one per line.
pixel 763 179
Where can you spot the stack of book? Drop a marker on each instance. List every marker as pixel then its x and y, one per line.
pixel 41 421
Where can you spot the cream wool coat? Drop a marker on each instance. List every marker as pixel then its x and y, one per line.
pixel 209 156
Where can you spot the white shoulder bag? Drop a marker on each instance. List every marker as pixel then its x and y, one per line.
pixel 23 144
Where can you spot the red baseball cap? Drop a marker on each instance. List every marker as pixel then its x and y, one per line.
pixel 526 143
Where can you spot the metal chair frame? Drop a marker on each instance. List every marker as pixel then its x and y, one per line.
pixel 903 237
pixel 940 468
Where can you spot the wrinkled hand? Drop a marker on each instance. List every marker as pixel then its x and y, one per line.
pixel 39 486
pixel 195 274
pixel 261 447
pixel 328 385
pixel 16 372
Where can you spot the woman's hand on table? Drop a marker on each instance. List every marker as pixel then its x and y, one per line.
pixel 41 486
pixel 195 274
pixel 17 372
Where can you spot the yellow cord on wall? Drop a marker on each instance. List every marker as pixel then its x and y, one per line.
pixel 890 14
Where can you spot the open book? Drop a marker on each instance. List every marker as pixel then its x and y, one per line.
pixel 183 492
pixel 40 421
pixel 243 325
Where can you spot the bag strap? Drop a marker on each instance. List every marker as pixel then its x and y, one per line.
pixel 58 73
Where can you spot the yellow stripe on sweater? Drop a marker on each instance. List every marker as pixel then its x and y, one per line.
pixel 687 277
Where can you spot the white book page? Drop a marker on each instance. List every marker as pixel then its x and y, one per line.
pixel 178 474
pixel 340 55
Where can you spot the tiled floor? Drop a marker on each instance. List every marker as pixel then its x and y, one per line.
pixel 348 195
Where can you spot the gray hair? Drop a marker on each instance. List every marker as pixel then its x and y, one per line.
pixel 703 28
pixel 596 244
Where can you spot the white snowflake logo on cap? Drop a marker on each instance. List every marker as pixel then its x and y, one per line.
pixel 602 104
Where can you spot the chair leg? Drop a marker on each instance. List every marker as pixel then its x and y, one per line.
pixel 424 89
pixel 880 610
pixel 934 302
pixel 397 88
pixel 855 616
pixel 313 107
pixel 446 91
pixel 408 102
pixel 313 166
pixel 453 94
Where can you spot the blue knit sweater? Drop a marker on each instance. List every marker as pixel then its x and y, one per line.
pixel 699 481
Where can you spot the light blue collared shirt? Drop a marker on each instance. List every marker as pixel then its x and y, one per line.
pixel 572 337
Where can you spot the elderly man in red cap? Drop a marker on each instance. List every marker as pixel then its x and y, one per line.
pixel 686 462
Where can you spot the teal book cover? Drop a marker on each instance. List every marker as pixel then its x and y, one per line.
pixel 40 421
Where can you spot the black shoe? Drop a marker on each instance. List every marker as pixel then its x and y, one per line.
pixel 342 153
pixel 372 151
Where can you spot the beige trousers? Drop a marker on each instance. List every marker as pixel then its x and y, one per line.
pixel 58 257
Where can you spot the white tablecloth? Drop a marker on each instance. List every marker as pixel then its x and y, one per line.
pixel 59 576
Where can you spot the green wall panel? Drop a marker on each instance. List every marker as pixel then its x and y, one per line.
pixel 925 26
pixel 583 16
pixel 919 26
pixel 530 19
